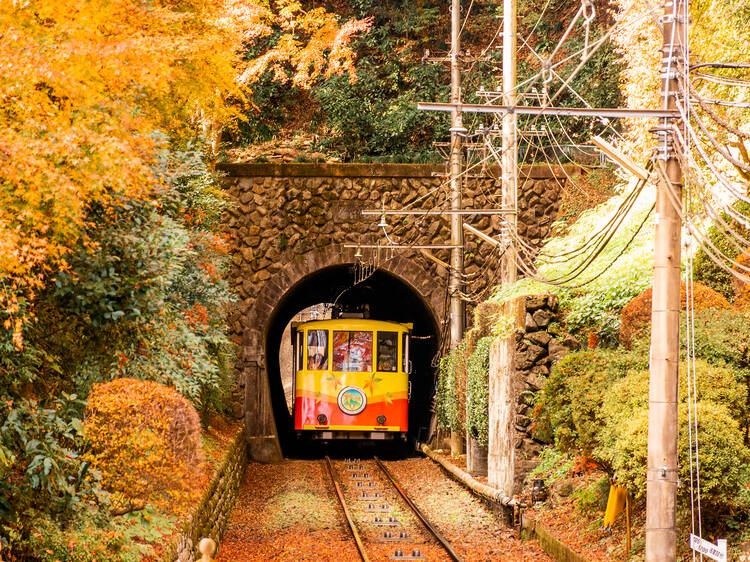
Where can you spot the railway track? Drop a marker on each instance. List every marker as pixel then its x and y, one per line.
pixel 385 523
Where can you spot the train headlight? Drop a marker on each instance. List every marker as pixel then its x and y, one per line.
pixel 322 419
pixel 381 419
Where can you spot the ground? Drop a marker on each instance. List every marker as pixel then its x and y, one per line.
pixel 289 511
pixel 574 513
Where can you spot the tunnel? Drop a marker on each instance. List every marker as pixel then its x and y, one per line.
pixel 389 298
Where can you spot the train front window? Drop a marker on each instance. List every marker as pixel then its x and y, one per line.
pixel 317 350
pixel 352 350
pixel 388 351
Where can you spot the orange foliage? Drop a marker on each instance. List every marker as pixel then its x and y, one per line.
pixel 145 441
pixel 741 289
pixel 635 318
pixel 592 340
pixel 584 465
pixel 84 86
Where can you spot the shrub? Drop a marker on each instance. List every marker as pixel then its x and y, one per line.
pixel 486 316
pixel 477 391
pixel 742 289
pixel 553 465
pixel 722 336
pixel 593 497
pixel 635 318
pixel 148 297
pixel 723 454
pixel 571 400
pixel 145 441
pixel 40 466
pixel 451 390
pixel 94 538
pixel 710 273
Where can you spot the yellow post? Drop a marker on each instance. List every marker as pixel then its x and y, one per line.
pixel 615 505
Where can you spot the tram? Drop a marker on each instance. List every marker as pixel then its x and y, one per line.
pixel 351 379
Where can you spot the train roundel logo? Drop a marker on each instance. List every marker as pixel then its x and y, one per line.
pixel 352 400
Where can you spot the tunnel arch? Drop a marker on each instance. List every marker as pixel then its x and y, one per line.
pixel 399 290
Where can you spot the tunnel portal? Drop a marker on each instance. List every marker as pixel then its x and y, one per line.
pixel 388 298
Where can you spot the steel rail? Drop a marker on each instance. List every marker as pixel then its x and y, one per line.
pixel 349 520
pixel 433 531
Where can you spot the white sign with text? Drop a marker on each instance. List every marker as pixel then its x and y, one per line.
pixel 716 551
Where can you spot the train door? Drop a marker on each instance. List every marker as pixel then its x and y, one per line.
pixel 405 362
pixel 297 350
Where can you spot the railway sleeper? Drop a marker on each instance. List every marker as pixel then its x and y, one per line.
pixel 416 554
pixel 390 522
pixel 390 536
pixel 384 508
pixel 358 476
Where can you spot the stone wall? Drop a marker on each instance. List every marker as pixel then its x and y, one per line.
pixel 284 211
pixel 536 350
pixel 210 517
pixel 290 220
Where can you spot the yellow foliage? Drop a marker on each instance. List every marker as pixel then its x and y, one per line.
pixel 85 84
pixel 639 41
pixel 145 441
pixel 741 289
pixel 718 32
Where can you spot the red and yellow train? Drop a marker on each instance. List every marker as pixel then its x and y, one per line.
pixel 351 379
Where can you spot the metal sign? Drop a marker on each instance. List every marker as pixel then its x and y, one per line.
pixel 716 551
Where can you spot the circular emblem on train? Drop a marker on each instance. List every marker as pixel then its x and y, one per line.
pixel 352 400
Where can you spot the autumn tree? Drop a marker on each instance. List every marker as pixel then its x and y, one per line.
pixel 112 260
pixel 85 85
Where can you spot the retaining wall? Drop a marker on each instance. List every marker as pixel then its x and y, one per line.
pixel 538 343
pixel 211 515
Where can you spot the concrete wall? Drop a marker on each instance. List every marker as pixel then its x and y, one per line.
pixel 534 351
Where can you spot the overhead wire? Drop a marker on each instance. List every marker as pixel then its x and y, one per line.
pixel 595 245
pixel 689 297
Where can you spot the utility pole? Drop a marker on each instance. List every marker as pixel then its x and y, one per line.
pixel 501 446
pixel 457 235
pixel 508 270
pixel 661 479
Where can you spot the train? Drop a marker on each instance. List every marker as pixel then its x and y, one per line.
pixel 351 379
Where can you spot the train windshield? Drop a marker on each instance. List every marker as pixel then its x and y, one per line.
pixel 317 350
pixel 388 351
pixel 352 350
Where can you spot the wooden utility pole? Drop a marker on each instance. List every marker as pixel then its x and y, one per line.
pixel 661 479
pixel 457 306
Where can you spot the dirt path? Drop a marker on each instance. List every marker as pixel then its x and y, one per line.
pixel 289 512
